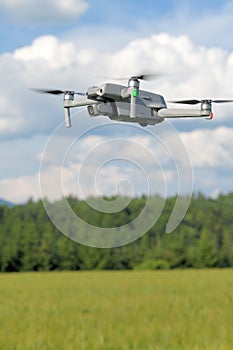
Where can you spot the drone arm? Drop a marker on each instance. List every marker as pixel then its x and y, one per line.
pixel 133 105
pixel 182 113
pixel 132 92
pixel 79 103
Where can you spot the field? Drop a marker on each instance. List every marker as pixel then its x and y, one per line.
pixel 138 310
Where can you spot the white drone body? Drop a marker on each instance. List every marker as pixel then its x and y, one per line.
pixel 130 104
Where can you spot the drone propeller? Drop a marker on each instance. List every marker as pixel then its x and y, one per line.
pixel 149 76
pixel 58 92
pixel 194 102
pixel 145 76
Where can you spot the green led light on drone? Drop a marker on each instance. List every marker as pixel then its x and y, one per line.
pixel 135 93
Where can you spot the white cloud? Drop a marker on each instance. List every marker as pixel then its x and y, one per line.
pixel 94 166
pixel 55 54
pixel 43 11
pixel 49 50
pixel 47 63
pixel 210 148
pixel 20 189
pixel 198 72
pixel 195 70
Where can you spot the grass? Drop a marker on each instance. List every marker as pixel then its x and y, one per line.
pixel 141 310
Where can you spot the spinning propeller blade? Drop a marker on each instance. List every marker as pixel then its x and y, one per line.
pixel 187 102
pixel 222 101
pixel 149 76
pixel 57 92
pixel 145 76
pixel 194 102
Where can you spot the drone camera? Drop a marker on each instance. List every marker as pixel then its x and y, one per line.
pixel 100 109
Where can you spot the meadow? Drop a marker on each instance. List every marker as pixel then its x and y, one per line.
pixel 138 310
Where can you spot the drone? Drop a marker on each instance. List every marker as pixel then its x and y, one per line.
pixel 130 103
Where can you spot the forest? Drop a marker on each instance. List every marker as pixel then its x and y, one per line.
pixel 30 242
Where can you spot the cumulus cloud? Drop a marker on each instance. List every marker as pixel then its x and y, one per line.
pixel 19 190
pixel 49 51
pixel 197 72
pixel 44 11
pixel 210 148
pixel 47 63
pixel 140 165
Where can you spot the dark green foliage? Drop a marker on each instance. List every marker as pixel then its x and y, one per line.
pixel 30 242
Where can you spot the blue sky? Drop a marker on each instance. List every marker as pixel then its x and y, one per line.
pixel 75 44
pixel 123 14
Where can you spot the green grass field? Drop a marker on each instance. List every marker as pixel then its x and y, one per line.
pixel 117 310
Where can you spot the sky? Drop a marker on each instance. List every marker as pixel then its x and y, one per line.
pixel 75 44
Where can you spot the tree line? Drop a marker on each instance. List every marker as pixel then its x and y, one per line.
pixel 30 242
